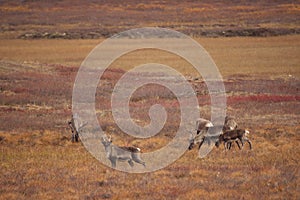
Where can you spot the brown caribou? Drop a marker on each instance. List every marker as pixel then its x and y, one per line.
pixel 234 135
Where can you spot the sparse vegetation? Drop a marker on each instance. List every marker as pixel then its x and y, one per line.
pixel 35 20
pixel 38 159
pixel 261 77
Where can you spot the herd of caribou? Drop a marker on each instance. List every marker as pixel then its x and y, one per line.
pixel 227 133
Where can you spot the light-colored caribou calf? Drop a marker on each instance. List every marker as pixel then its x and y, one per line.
pixel 202 126
pixel 76 126
pixel 234 135
pixel 117 153
pixel 230 123
pixel 209 136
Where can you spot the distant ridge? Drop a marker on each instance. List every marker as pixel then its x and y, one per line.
pixel 75 19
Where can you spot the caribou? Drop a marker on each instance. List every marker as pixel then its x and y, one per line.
pixel 76 126
pixel 207 130
pixel 118 153
pixel 202 126
pixel 230 123
pixel 234 135
pixel 210 135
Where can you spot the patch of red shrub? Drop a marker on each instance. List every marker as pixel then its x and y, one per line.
pixel 263 98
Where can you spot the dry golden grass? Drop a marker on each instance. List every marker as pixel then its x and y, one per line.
pixel 66 52
pixel 277 56
pixel 42 163
pixel 261 75
pixel 47 166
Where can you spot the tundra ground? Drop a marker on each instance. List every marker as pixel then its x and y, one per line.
pixel 38 160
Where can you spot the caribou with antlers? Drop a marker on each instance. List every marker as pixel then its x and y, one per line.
pixel 207 130
pixel 76 126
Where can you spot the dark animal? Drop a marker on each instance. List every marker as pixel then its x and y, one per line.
pixel 76 126
pixel 233 136
pixel 230 124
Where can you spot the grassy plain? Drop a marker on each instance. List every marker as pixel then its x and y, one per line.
pixel 233 55
pixel 38 161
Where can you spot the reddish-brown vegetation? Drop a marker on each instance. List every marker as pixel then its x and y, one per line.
pixel 38 160
pixel 261 77
pixel 35 107
pixel 69 19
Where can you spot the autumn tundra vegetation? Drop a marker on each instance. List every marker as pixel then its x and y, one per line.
pixel 255 45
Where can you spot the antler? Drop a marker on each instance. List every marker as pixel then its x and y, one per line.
pixel 81 126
